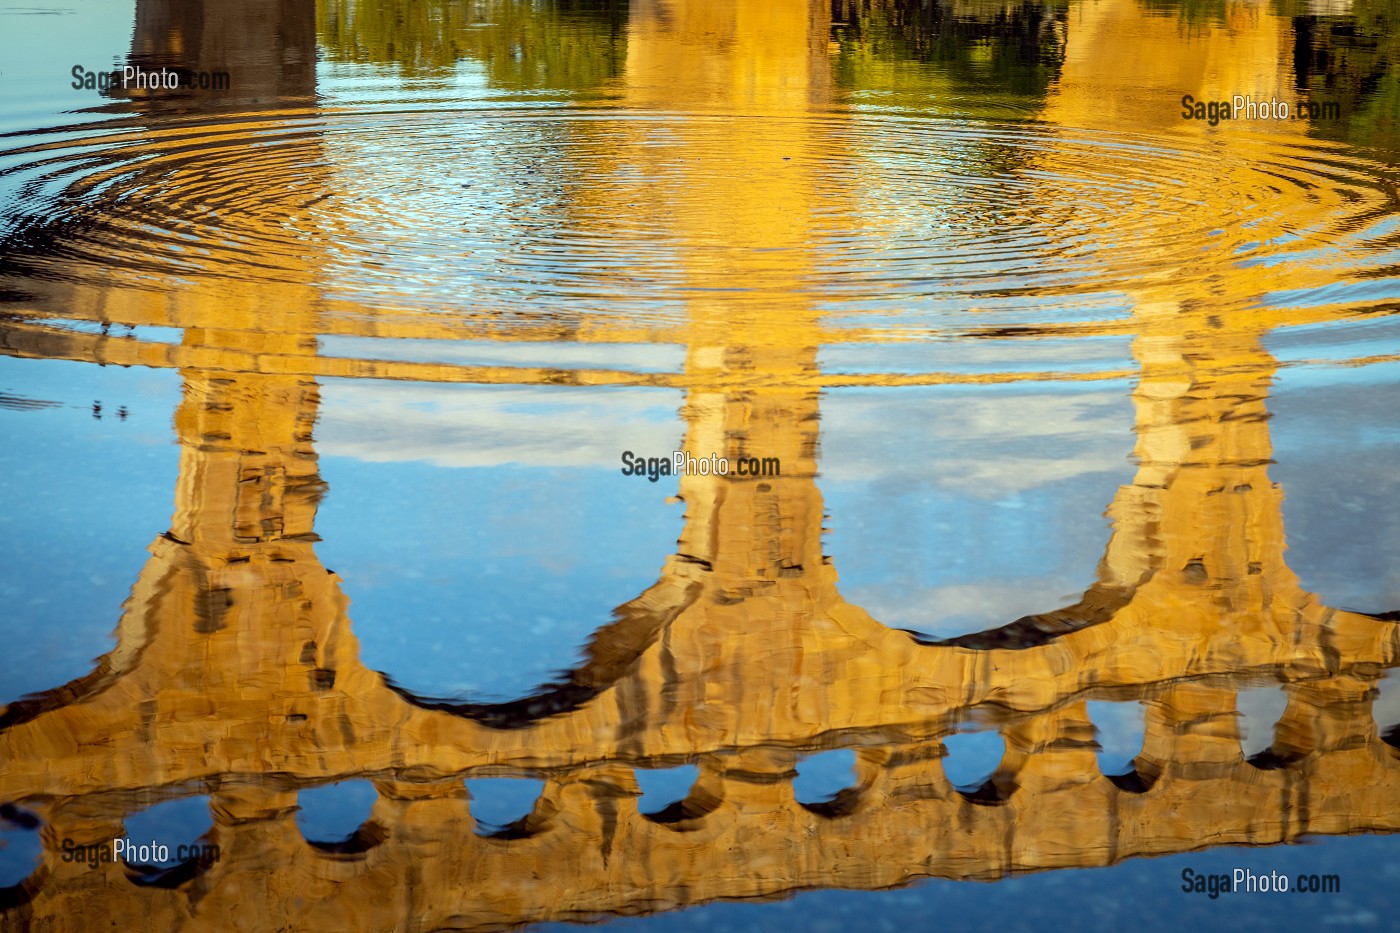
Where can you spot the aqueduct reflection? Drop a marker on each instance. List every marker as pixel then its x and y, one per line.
pixel 237 674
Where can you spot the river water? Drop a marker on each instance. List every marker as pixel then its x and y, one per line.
pixel 1066 572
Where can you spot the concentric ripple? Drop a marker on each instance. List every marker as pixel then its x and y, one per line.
pixel 866 218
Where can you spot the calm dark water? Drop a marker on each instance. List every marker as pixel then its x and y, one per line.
pixel 316 376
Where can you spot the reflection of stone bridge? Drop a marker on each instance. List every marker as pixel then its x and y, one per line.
pixel 236 673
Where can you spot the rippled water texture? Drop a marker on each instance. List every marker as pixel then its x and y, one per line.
pixel 1075 572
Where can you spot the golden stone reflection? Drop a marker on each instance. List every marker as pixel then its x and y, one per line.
pixel 237 673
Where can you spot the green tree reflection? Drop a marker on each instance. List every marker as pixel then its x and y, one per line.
pixel 1349 53
pixel 965 46
pixel 522 44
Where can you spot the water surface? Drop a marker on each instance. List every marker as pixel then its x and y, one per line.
pixel 1077 573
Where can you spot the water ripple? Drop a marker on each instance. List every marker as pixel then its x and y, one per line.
pixel 854 214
